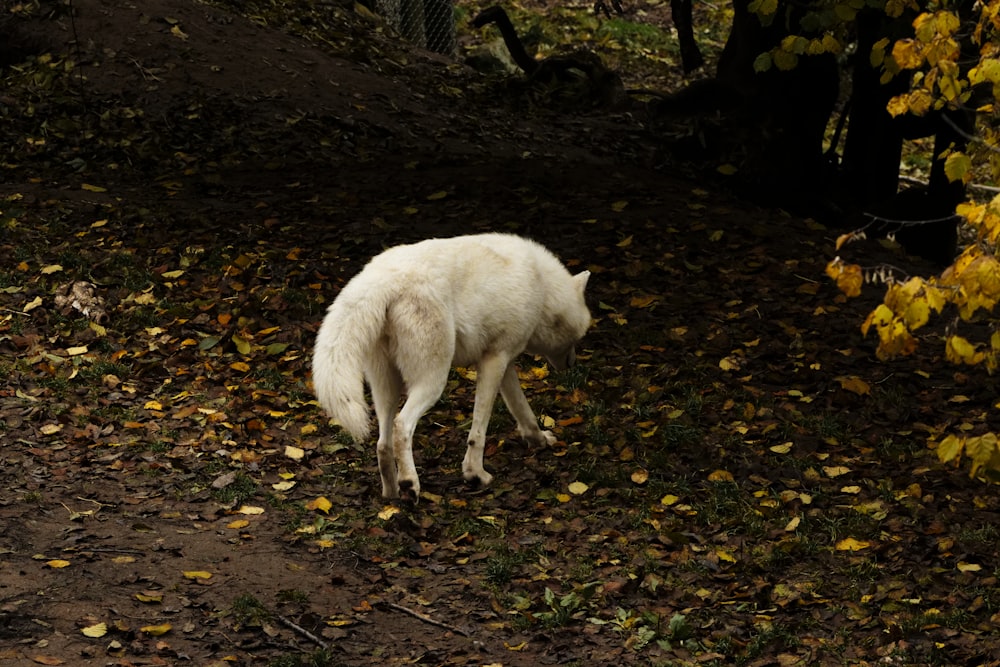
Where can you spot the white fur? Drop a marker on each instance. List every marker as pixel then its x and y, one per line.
pixel 416 310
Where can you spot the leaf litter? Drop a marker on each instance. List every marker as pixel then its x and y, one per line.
pixel 738 479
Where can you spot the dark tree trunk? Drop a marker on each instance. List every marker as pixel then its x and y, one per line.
pixel 786 112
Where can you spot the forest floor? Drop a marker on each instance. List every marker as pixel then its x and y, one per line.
pixel 738 480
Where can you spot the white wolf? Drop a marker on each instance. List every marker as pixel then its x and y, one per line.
pixel 416 310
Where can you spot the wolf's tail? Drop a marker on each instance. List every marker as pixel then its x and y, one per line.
pixel 344 346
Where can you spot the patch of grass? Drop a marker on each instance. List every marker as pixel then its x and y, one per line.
pixel 99 369
pixel 247 610
pixel 771 640
pixel 637 35
pixel 291 595
pixel 318 658
pixel 57 384
pixel 241 489
pixel 269 377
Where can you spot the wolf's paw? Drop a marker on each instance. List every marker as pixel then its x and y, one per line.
pixel 537 437
pixel 478 479
pixel 409 490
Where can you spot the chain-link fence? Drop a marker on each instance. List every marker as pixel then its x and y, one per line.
pixel 429 24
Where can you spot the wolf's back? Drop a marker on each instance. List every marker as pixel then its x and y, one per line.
pixel 344 345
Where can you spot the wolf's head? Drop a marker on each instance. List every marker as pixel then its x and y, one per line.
pixel 565 323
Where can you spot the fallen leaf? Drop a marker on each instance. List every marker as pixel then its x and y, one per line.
pixel 851 544
pixel 197 574
pixel 321 504
pixel 578 488
pixel 156 630
pixel 96 630
pixel 388 512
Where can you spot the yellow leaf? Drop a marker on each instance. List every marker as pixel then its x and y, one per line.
pixel 308 429
pixel 783 448
pixel 170 275
pixel 564 497
pixel 321 504
pixel 92 188
pixel 156 630
pixel 578 488
pixel 960 350
pixel 907 54
pixel 240 366
pixel 725 555
pixel 237 524
pixel 58 563
pixel 76 351
pixel 178 33
pixel 950 448
pixel 853 490
pixel 793 524
pixel 242 344
pixel 855 385
pixel 146 597
pixel 619 206
pixel 51 429
pixel 625 242
pixel 440 194
pixel 250 509
pixel 51 268
pixel 669 500
pixel 835 471
pixel 283 486
pixel 721 476
pixel 388 512
pixel 197 574
pixel 640 476
pixel 851 544
pixel 726 169
pixel 96 630
pixel 153 405
pixel 294 453
pixel 31 305
pixel 969 567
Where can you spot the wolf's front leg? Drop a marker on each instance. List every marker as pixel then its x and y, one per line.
pixel 489 373
pixel 517 405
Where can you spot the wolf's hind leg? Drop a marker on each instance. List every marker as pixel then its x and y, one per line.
pixel 421 397
pixel 386 386
pixel 517 404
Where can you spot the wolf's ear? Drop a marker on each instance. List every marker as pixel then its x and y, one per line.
pixel 581 280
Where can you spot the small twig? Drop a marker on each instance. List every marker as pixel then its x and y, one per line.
pixel 425 618
pixel 103 550
pixel 305 633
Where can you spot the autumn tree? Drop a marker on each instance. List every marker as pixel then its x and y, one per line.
pixel 941 71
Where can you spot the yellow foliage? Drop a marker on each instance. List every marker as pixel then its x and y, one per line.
pixel 849 277
pixel 983 452
pixel 908 54
pixel 958 350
